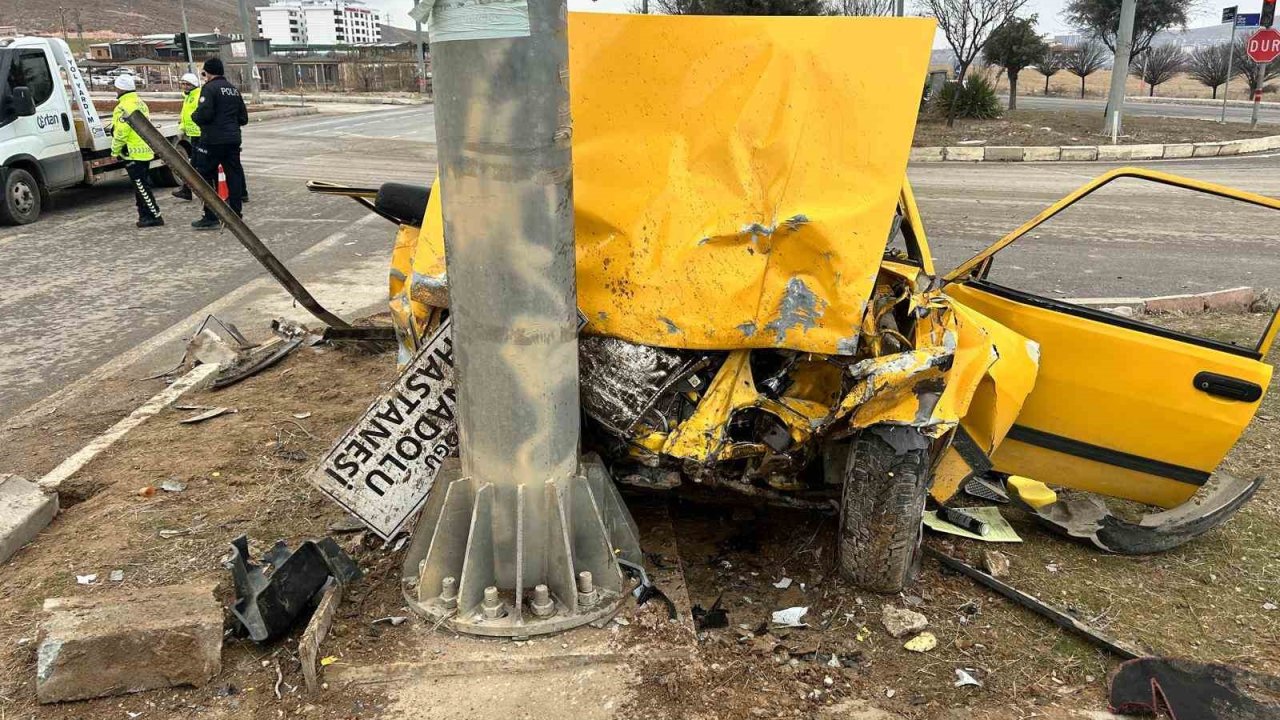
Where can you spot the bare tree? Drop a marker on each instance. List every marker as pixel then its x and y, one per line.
pixel 860 7
pixel 1211 65
pixel 1050 63
pixel 1249 69
pixel 1159 65
pixel 1086 59
pixel 967 25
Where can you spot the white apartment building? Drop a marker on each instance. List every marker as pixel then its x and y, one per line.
pixel 320 22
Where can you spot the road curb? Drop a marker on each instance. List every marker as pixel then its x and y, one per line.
pixel 267 115
pixel 1200 101
pixel 1231 300
pixel 1090 153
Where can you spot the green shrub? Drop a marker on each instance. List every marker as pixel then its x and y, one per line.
pixel 976 99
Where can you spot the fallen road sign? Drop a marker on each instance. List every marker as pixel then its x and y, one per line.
pixel 382 469
pixel 1264 45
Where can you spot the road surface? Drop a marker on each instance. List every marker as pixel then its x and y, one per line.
pixel 85 296
pixel 1199 112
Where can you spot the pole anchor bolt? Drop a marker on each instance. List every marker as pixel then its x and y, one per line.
pixel 587 595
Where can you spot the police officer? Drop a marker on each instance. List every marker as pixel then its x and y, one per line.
pixel 134 151
pixel 220 113
pixel 191 95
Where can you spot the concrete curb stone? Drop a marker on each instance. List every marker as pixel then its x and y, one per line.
pixel 1089 153
pixel 25 510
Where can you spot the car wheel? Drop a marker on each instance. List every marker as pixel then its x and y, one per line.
pixel 886 480
pixel 163 177
pixel 22 197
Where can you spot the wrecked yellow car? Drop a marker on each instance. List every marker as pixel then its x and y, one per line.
pixel 760 310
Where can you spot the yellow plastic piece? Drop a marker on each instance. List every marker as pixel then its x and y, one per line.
pixel 1032 492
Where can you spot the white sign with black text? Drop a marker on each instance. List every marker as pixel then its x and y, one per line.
pixel 382 469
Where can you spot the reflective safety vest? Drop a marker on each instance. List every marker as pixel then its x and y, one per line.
pixel 125 143
pixel 189 103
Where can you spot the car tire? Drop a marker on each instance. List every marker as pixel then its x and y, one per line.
pixel 886 482
pixel 163 177
pixel 22 197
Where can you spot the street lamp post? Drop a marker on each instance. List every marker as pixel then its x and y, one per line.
pixel 186 37
pixel 1120 69
pixel 254 86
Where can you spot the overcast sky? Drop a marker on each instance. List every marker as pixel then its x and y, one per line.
pixel 1049 11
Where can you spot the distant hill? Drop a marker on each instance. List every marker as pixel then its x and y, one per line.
pixel 124 17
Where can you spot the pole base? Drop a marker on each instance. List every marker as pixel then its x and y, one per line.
pixel 516 561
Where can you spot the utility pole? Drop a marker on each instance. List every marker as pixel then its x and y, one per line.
pixel 517 546
pixel 422 55
pixel 186 34
pixel 900 8
pixel 254 86
pixel 62 15
pixel 1119 69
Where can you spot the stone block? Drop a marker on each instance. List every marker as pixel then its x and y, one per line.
pixel 926 154
pixel 1079 153
pixel 25 510
pixel 1209 149
pixel 1174 304
pixel 1003 154
pixel 1130 152
pixel 1229 148
pixel 958 153
pixel 119 642
pixel 1041 154
pixel 1180 150
pixel 1234 300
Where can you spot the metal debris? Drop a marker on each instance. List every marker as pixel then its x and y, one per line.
pixel 268 604
pixel 207 415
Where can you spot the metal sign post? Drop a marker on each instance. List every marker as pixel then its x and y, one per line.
pixel 1228 15
pixel 1120 69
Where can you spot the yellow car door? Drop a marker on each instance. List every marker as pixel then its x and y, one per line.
pixel 1120 407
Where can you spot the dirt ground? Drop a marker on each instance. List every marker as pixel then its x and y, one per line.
pixel 1068 127
pixel 1064 84
pixel 245 474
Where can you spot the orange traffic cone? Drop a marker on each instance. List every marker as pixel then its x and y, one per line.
pixel 222 184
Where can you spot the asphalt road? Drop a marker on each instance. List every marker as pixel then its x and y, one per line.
pixel 1199 112
pixel 83 294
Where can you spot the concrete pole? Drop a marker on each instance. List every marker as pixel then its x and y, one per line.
pixel 1257 94
pixel 1120 69
pixel 422 55
pixel 254 86
pixel 191 66
pixel 899 8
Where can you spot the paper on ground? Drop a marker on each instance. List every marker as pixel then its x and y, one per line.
pixel 1000 529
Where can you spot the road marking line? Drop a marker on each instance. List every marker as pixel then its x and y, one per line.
pixel 54 479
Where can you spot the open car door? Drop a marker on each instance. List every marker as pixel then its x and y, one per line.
pixel 1121 407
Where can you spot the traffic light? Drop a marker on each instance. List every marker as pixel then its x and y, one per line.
pixel 1268 13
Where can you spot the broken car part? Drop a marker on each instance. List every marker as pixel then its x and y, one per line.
pixel 1088 518
pixel 400 203
pixel 178 162
pixel 1190 690
pixel 1058 617
pixel 269 600
pixel 646 590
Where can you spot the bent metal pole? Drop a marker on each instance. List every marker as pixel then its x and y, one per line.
pixel 524 539
pixel 178 163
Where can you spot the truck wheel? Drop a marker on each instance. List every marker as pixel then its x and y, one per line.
pixel 885 484
pixel 21 202
pixel 163 177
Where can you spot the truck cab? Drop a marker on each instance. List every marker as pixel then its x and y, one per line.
pixel 51 135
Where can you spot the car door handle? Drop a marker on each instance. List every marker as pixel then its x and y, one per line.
pixel 1225 386
pixel 66 122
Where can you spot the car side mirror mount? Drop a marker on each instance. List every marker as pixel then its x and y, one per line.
pixel 23 104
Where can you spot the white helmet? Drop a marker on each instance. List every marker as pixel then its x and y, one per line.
pixel 125 82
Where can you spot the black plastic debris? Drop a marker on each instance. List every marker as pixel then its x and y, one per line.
pixel 711 619
pixel 271 597
pixel 1189 690
pixel 646 590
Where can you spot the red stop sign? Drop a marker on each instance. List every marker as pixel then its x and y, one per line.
pixel 1264 46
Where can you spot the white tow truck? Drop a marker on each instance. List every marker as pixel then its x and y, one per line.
pixel 51 135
